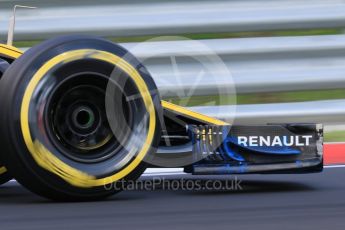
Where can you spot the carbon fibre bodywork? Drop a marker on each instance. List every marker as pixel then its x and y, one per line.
pixel 220 148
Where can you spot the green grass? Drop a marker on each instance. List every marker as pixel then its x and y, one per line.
pixel 334 136
pixel 258 98
pixel 238 35
pixel 26 43
pixel 213 35
pixel 294 96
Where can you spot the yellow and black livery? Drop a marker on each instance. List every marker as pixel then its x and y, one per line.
pixel 81 117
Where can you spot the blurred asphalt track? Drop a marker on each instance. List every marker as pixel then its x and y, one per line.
pixel 310 201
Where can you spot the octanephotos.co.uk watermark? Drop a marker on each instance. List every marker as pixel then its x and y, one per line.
pixel 182 184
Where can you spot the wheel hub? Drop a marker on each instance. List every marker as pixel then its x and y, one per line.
pixel 83 117
pixel 79 121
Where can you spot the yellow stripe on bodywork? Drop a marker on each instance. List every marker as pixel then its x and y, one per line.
pixel 191 114
pixel 48 160
pixel 10 51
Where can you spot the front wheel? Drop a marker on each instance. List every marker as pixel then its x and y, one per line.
pixel 4 175
pixel 81 114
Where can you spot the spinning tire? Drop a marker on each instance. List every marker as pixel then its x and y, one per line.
pixel 4 175
pixel 7 55
pixel 60 139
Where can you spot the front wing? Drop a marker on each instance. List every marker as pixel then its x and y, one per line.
pixel 220 148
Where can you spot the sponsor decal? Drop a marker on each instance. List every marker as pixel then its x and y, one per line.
pixel 271 141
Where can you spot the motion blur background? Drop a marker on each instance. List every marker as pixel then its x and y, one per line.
pixel 287 57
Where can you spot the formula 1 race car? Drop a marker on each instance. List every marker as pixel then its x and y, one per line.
pixel 79 113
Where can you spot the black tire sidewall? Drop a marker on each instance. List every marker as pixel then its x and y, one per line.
pixel 4 177
pixel 12 88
